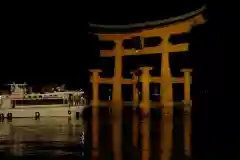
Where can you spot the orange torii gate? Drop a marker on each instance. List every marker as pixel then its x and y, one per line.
pixel 166 79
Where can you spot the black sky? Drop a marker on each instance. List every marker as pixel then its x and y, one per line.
pixel 50 43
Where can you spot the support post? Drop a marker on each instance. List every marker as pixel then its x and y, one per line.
pixel 145 89
pixel 135 90
pixel 95 86
pixel 117 79
pixel 187 109
pixel 95 104
pixel 187 84
pixel 166 90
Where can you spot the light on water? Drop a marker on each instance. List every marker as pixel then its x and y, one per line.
pixel 132 136
pixel 46 137
pixel 104 135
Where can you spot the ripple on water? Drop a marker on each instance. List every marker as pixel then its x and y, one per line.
pixel 47 137
pixel 56 138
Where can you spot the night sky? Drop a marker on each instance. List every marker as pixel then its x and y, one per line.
pixel 51 43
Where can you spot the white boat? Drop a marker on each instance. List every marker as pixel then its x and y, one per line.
pixel 19 104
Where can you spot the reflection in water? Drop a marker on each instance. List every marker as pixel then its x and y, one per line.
pixel 187 135
pixel 46 137
pixel 95 132
pixel 145 138
pixel 117 135
pixel 162 137
pixel 166 138
pixel 135 130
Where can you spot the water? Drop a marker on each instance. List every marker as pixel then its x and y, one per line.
pixel 46 137
pixel 107 135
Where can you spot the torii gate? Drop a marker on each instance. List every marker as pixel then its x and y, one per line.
pixel 166 79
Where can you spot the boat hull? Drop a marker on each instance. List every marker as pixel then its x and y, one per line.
pixel 44 111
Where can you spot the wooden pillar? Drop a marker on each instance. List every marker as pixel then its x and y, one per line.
pixel 117 87
pixel 145 78
pixel 117 100
pixel 187 109
pixel 135 90
pixel 95 104
pixel 166 91
pixel 95 86
pixel 187 84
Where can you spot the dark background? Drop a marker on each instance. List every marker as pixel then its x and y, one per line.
pixel 44 43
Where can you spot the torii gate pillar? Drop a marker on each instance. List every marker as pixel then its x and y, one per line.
pixel 117 80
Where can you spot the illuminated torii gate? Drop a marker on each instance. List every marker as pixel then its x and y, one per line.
pixel 166 79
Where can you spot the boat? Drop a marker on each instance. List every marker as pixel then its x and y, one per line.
pixel 58 103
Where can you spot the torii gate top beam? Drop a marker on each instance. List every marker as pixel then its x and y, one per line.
pixel 175 28
pixel 178 27
pixel 195 16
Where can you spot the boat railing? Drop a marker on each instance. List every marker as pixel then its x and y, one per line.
pixel 77 101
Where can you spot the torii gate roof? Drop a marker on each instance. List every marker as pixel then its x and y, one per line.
pixel 135 27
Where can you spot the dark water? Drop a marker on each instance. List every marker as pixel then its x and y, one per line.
pixel 106 135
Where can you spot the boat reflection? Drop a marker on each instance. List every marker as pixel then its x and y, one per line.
pixel 47 136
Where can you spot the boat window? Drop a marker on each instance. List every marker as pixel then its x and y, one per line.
pixel 40 96
pixel 39 102
pixel 34 96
